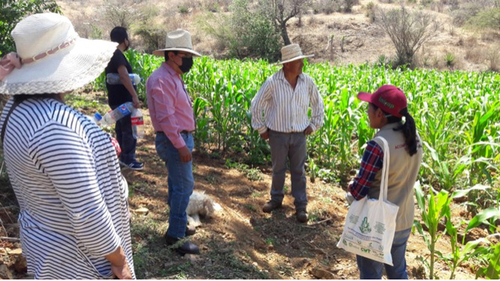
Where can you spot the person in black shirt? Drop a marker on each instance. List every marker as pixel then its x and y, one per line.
pixel 121 93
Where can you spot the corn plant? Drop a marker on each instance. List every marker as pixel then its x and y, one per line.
pixel 471 248
pixel 492 270
pixel 432 214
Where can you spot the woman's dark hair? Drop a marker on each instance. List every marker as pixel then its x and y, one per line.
pixel 23 97
pixel 166 54
pixel 408 128
pixel 118 34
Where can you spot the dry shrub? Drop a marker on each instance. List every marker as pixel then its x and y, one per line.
pixel 312 20
pixel 326 6
pixel 118 13
pixel 331 6
pixel 408 31
pixel 473 51
pixel 493 57
pixel 474 54
pixel 371 11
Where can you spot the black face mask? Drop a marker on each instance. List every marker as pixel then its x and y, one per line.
pixel 187 63
pixel 128 45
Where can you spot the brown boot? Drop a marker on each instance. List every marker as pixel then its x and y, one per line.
pixel 301 216
pixel 271 205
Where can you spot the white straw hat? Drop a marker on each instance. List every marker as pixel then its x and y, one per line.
pixel 292 52
pixel 177 40
pixel 54 58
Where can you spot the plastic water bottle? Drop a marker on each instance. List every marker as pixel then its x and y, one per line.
pixel 137 124
pixel 94 118
pixel 114 78
pixel 118 113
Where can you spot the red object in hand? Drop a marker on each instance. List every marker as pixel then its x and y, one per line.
pixel 116 145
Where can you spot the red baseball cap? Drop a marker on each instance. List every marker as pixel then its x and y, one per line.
pixel 389 98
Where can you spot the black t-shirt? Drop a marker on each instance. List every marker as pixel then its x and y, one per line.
pixel 118 94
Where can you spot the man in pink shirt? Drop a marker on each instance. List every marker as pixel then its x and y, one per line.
pixel 173 120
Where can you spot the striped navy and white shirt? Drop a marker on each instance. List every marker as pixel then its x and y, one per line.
pixel 72 196
pixel 277 106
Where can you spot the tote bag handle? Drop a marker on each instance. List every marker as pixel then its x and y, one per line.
pixel 385 170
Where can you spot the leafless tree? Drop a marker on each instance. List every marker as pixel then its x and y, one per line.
pixel 284 10
pixel 117 13
pixel 408 31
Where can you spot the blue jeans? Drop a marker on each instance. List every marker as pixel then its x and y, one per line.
pixel 125 137
pixel 370 269
pixel 180 182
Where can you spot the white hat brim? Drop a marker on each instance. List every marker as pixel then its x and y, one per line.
pixel 296 58
pixel 67 70
pixel 161 52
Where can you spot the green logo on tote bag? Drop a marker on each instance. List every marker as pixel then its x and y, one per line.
pixel 365 226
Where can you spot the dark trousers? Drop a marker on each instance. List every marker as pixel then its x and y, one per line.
pixel 291 146
pixel 125 137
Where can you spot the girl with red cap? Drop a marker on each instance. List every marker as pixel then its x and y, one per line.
pixel 388 112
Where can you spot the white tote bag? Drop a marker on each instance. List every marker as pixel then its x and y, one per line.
pixel 371 223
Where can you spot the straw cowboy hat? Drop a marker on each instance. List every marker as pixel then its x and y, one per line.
pixel 51 57
pixel 177 40
pixel 292 52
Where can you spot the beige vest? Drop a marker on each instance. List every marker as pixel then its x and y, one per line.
pixel 403 171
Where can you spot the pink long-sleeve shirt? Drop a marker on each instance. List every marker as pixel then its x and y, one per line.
pixel 169 104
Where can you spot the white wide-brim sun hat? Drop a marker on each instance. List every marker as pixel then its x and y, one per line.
pixel 178 40
pixel 54 58
pixel 292 52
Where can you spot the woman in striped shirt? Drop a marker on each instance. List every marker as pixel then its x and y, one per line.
pixel 63 168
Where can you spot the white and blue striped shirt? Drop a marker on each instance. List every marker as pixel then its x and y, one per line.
pixel 277 106
pixel 72 196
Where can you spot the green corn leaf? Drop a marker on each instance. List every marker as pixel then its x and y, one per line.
pixel 482 217
pixel 461 193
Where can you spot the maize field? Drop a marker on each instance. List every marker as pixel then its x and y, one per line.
pixel 457 116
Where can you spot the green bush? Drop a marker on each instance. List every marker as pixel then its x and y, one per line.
pixel 486 19
pixel 13 11
pixel 247 32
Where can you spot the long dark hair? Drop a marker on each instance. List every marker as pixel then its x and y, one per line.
pixel 408 128
pixel 23 97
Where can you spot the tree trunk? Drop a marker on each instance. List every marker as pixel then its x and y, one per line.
pixel 284 34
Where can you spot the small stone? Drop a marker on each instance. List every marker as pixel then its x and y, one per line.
pixel 321 273
pixel 142 210
pixel 16 251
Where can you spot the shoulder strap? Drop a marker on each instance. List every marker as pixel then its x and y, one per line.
pixel 385 169
pixel 14 105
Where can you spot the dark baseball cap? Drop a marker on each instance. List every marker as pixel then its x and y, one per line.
pixel 389 98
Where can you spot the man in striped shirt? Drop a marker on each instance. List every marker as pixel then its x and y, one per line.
pixel 280 114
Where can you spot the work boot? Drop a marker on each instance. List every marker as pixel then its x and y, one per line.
pixel 301 216
pixel 271 205
pixel 185 248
